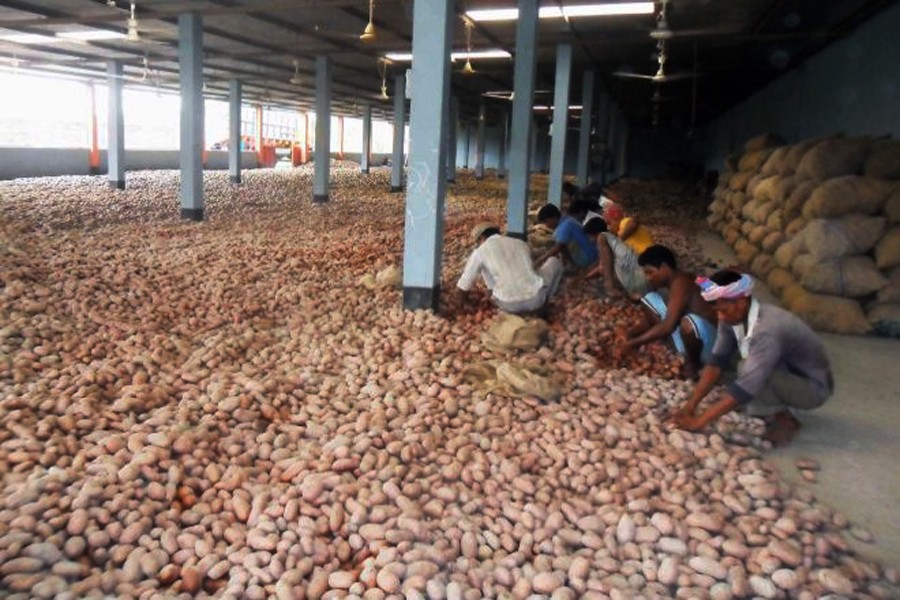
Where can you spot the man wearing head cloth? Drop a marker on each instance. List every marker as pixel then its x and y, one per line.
pixel 783 365
pixel 504 264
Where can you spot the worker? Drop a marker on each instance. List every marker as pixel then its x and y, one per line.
pixel 584 210
pixel 684 316
pixel 783 364
pixel 618 263
pixel 505 265
pixel 628 229
pixel 569 238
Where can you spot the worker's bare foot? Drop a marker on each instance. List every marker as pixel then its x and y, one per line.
pixel 781 429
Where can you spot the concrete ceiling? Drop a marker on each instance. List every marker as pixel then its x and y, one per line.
pixel 735 46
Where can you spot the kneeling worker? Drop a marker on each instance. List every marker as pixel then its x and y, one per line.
pixel 505 265
pixel 784 365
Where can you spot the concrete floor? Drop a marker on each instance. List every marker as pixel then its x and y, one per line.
pixel 855 437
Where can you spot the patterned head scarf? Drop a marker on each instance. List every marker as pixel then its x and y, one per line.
pixel 710 291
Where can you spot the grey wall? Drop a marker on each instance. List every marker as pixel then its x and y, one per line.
pixel 43 162
pixel 851 87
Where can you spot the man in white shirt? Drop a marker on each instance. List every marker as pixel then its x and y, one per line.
pixel 505 265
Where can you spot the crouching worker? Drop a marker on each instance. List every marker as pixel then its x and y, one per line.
pixel 618 263
pixel 569 238
pixel 684 315
pixel 505 265
pixel 783 363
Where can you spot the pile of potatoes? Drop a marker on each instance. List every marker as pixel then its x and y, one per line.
pixel 219 409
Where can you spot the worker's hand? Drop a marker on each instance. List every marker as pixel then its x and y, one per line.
pixel 624 349
pixel 683 411
pixel 687 421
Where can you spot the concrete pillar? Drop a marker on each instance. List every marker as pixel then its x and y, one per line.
pixel 480 142
pixel 115 157
pixel 584 135
pixel 534 161
pixel 602 135
pixel 622 149
pixel 523 120
pixel 323 129
pixel 367 138
pixel 234 130
pixel 452 127
pixel 468 135
pixel 190 67
pixel 560 122
pixel 433 22
pixel 501 148
pixel 399 125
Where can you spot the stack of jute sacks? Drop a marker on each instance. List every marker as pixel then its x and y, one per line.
pixel 819 221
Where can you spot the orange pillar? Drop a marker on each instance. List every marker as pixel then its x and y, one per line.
pixel 259 134
pixel 341 138
pixel 94 157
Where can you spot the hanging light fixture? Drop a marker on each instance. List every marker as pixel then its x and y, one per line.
pixel 382 70
pixel 369 34
pixel 296 79
pixel 133 35
pixel 468 69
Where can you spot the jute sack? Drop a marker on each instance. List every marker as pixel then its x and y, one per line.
pixel 885 318
pixel 512 332
pixel 849 194
pixel 745 252
pixel 772 242
pixel 835 158
pixel 724 178
pixel 887 252
pixel 891 292
pixel 763 141
pixel 795 227
pixel 892 206
pixel 775 163
pixel 758 234
pixel 762 265
pixel 731 235
pixel 748 210
pixel 762 212
pixel 779 279
pixel 788 252
pixel 826 313
pixel 849 276
pixel 525 381
pixel 883 160
pixel 737 200
pixel 753 184
pixel 802 264
pixel 747 226
pixel 389 277
pixel 753 161
pixel 853 234
pixel 769 189
pixel 793 205
pixel 775 222
pixel 796 153
pixel 738 182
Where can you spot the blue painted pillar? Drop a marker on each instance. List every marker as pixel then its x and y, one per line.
pixel 560 122
pixel 534 162
pixel 115 156
pixel 452 127
pixel 501 148
pixel 234 130
pixel 366 138
pixel 480 142
pixel 323 129
pixel 433 22
pixel 523 122
pixel 190 66
pixel 399 126
pixel 584 135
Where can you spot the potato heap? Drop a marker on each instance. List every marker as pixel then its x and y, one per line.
pixel 221 409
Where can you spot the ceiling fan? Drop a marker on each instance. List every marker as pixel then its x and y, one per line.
pixel 661 76
pixel 296 79
pixel 134 29
pixel 663 31
pixel 510 95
